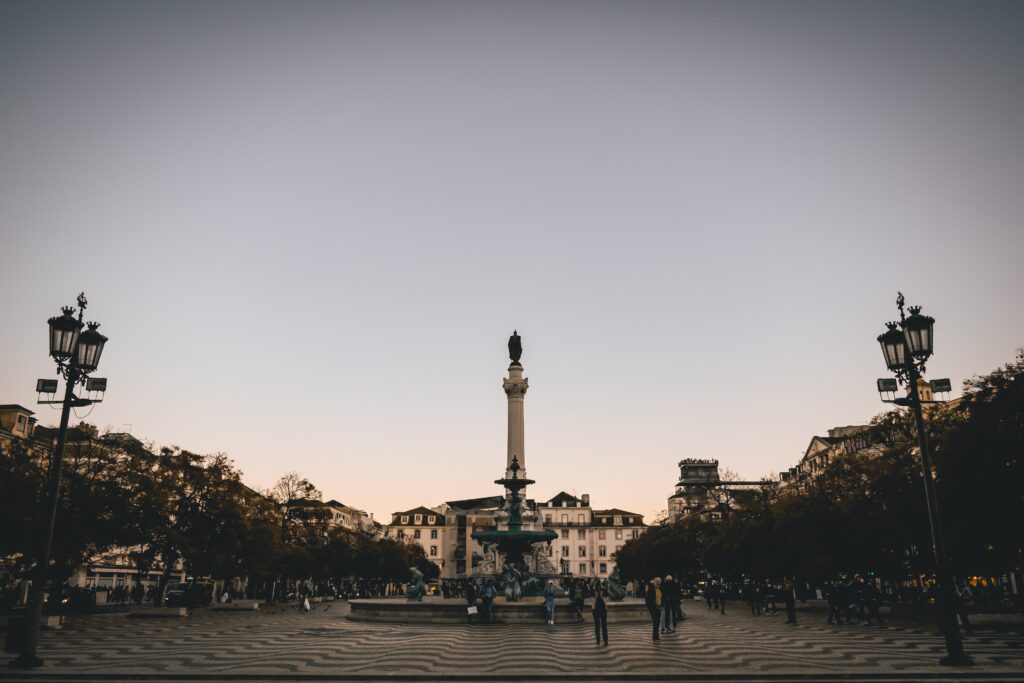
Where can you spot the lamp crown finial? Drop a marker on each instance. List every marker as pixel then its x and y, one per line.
pixel 93 326
pixel 67 310
pixel 915 310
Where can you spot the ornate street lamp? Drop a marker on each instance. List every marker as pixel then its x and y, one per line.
pixel 77 354
pixel 906 346
pixel 64 331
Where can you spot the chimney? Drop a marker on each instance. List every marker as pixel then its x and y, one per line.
pixel 586 499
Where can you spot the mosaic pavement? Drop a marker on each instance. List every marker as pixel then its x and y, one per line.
pixel 278 643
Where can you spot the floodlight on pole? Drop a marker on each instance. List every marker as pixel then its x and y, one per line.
pixel 77 354
pixel 906 345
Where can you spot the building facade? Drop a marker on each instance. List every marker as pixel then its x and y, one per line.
pixel 585 548
pixel 424 526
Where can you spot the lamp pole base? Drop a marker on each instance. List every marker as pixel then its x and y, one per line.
pixel 956 660
pixel 25 662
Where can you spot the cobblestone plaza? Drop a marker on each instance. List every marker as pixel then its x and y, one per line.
pixel 279 643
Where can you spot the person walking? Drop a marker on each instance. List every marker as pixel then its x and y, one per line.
pixel 576 599
pixel 833 594
pixel 669 590
pixel 963 599
pixel 487 594
pixel 752 593
pixel 653 599
pixel 549 602
pixel 600 613
pixel 789 595
pixel 470 602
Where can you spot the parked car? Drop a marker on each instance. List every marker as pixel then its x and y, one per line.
pixel 189 595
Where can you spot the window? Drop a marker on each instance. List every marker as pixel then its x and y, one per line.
pixel 635 534
pixel 405 519
pixel 602 551
pixel 565 504
pixel 582 518
pixel 583 567
pixel 565 519
pixel 618 520
pixel 416 533
pixel 565 551
pixel 547 519
pixel 583 551
pixel 565 533
pixel 433 551
pixel 419 519
pixel 401 533
pixel 600 535
pixel 551 550
pixel 433 533
pixel 581 534
pixel 431 519
pixel 604 568
pixel 618 534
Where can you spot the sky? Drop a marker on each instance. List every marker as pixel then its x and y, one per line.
pixel 308 229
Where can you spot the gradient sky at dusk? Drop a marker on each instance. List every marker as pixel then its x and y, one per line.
pixel 309 228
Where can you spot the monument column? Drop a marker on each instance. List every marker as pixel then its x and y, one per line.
pixel 515 386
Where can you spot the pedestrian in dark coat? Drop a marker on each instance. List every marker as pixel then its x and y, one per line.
pixel 789 594
pixel 470 601
pixel 600 613
pixel 653 599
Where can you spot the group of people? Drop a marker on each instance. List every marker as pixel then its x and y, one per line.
pixel 664 603
pixel 853 600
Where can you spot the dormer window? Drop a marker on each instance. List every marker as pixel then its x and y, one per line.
pixel 22 424
pixel 618 520
pixel 405 519
pixel 565 503
pixel 431 519
pixel 419 519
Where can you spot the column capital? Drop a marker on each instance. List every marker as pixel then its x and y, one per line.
pixel 515 387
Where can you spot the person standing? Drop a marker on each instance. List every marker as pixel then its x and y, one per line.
pixel 653 599
pixel 668 600
pixel 487 601
pixel 470 601
pixel 833 594
pixel 549 602
pixel 788 593
pixel 576 599
pixel 600 613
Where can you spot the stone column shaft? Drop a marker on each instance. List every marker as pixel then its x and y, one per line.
pixel 515 386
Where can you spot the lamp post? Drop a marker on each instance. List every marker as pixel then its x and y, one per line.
pixel 906 346
pixel 77 354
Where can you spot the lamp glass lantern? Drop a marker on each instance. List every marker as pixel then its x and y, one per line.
pixel 918 330
pixel 893 348
pixel 90 347
pixel 64 332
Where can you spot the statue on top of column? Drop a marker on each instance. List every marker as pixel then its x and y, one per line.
pixel 515 347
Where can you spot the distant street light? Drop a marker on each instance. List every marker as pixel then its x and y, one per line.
pixel 77 354
pixel 906 346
